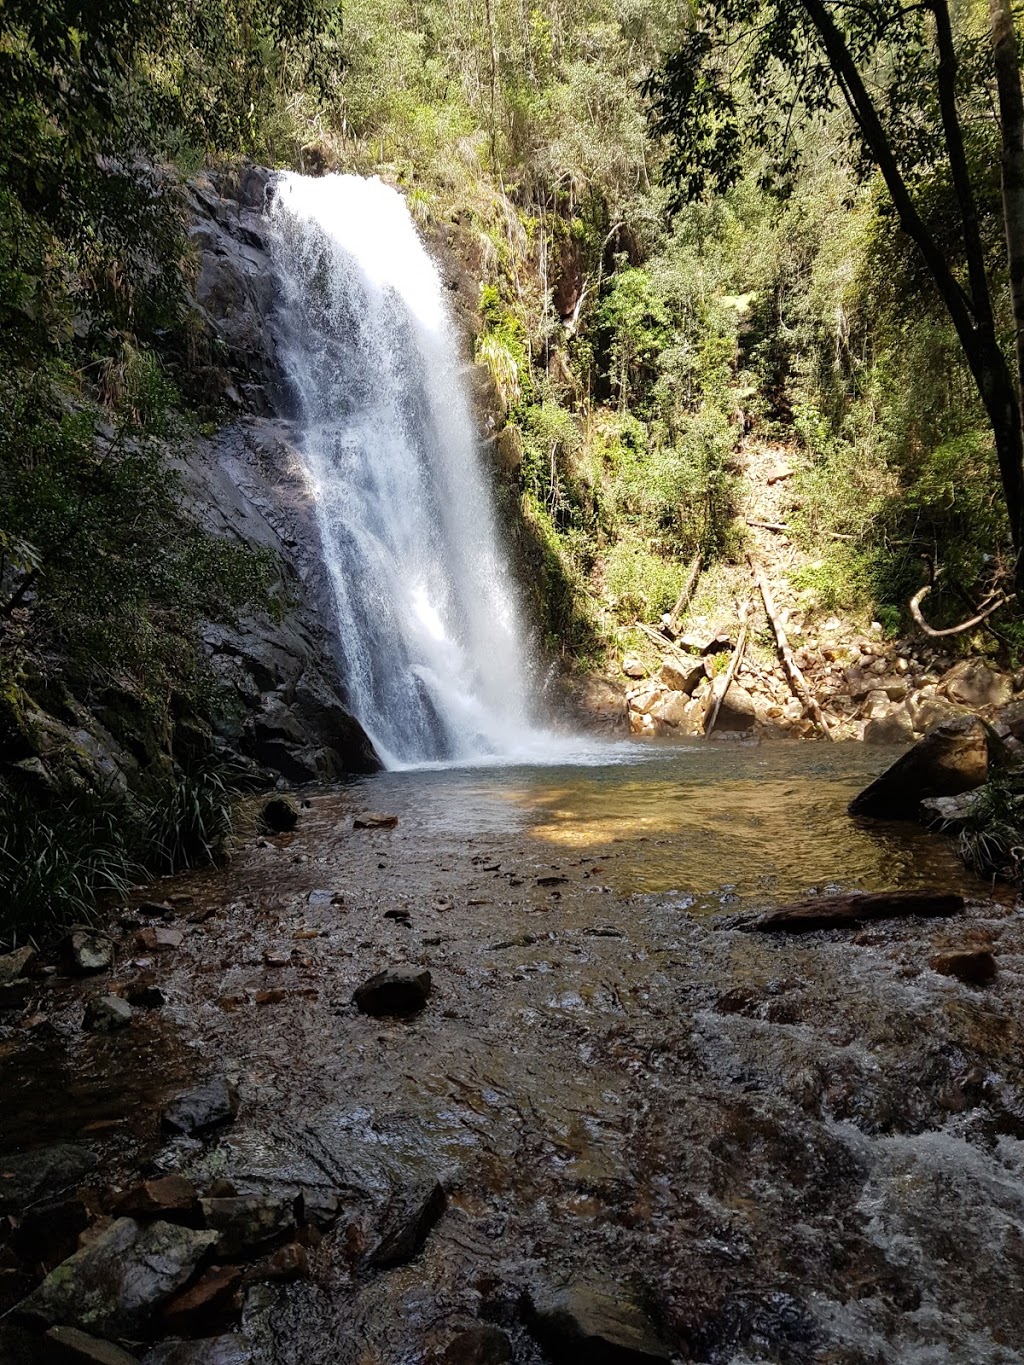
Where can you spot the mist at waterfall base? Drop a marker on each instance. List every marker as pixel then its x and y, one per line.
pixel 434 657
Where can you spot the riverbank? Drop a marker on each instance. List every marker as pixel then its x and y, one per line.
pixel 734 1148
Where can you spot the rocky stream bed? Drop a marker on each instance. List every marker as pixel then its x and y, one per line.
pixel 620 1128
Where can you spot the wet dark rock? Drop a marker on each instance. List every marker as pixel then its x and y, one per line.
pixel 484 1345
pixel 278 816
pixel 14 965
pixel 156 910
pixel 400 990
pixel 115 1284
pixel 407 1222
pixel 69 1346
pixel 580 1323
pixel 167 1194
pixel 375 819
pixel 289 1262
pixel 88 951
pixel 106 1014
pixel 146 997
pixel 157 939
pixel 48 1233
pixel 224 1350
pixel 204 1107
pixel 45 1171
pixel 952 758
pixel 210 1302
pixel 319 1206
pixel 246 1223
pixel 836 912
pixel 974 966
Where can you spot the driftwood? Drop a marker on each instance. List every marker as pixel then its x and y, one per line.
pixel 915 611
pixel 733 669
pixel 796 679
pixel 683 600
pixel 788 530
pixel 838 912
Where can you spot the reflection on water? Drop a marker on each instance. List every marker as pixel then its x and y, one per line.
pixel 717 824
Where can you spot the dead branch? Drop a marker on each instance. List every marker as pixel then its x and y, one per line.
pixel 797 681
pixel 684 597
pixel 733 669
pixel 915 611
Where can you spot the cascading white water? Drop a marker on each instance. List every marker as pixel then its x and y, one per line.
pixel 435 665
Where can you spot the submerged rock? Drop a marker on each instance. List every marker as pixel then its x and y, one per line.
pixel 408 1221
pixel 973 966
pixel 951 759
pixel 206 1106
pixel 68 1345
pixel 836 912
pixel 245 1223
pixel 400 990
pixel 88 951
pixel 278 816
pixel 580 1324
pixel 375 819
pixel 484 1345
pixel 224 1350
pixel 106 1013
pixel 46 1171
pixel 115 1284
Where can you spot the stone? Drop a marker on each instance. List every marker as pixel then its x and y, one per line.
pixel 644 699
pixel 949 814
pixel 212 1300
pixel 88 951
pixel 633 666
pixel 69 1345
pixel 47 1233
pixel 157 939
pixel 483 1345
pixel 223 1350
pixel 145 997
pixel 247 1222
pixel 375 819
pixel 106 1014
pixel 399 990
pixel 681 675
pixel 581 1324
pixel 45 1171
pixel 118 1281
pixel 155 910
pixel 892 727
pixel 929 712
pixel 974 683
pixel 952 758
pixel 205 1106
pixel 14 965
pixel 973 966
pixel 705 644
pixel 642 725
pixel 408 1221
pixel 278 816
pixel 839 911
pixel 737 711
pixel 166 1194
pixel 671 708
pixel 289 1262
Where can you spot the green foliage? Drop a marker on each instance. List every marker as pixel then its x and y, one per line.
pixel 992 839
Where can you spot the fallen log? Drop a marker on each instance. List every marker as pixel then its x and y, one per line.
pixel 683 600
pixel 733 669
pixel 796 679
pixel 852 908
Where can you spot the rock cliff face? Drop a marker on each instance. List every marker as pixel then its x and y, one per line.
pixel 280 703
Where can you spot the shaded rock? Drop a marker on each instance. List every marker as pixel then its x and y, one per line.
pixel 705 644
pixel 580 1324
pixel 87 950
pixel 157 939
pixel 836 912
pixel 972 682
pixel 633 666
pixel 245 1223
pixel 681 675
pixel 893 727
pixel 408 1221
pixel 974 966
pixel 399 990
pixel 375 819
pixel 18 1346
pixel 167 1194
pixel 205 1106
pixel 45 1171
pixel 737 711
pixel 106 1013
pixel 14 965
pixel 48 1233
pixel 953 758
pixel 145 997
pixel 949 814
pixel 671 708
pixel 155 910
pixel 212 1301
pixel 278 816
pixel 115 1284
pixel 483 1345
pixel 289 1262
pixel 68 1344
pixel 224 1350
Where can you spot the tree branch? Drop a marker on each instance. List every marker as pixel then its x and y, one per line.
pixel 915 611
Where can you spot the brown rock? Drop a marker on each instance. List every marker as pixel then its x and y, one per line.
pixel 737 711
pixel 682 675
pixel 974 966
pixel 671 708
pixel 633 666
pixel 289 1262
pixel 168 1194
pixel 375 819
pixel 972 682
pixel 837 912
pixel 212 1301
pixel 157 939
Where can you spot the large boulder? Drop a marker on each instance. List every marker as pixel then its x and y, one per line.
pixel 114 1285
pixel 737 711
pixel 952 758
pixel 580 1323
pixel 889 726
pixel 682 675
pixel 974 683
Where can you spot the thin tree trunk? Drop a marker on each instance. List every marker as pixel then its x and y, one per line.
pixel 734 668
pixel 797 681
pixel 1011 118
pixel 683 600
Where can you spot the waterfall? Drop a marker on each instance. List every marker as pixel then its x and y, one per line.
pixel 426 612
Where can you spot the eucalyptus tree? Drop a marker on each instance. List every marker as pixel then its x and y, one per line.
pixel 750 76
